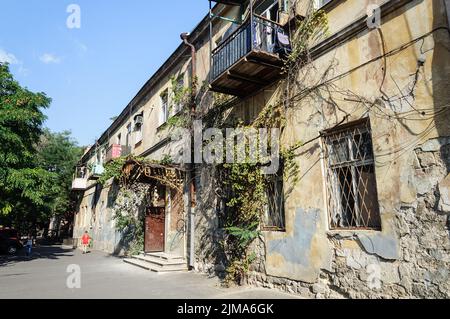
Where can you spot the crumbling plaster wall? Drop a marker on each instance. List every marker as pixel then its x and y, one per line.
pixel 410 255
pixel 95 216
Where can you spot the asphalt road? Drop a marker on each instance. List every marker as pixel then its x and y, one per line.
pixel 46 275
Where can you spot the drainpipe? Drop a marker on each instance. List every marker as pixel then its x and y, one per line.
pixel 191 166
pixel 184 37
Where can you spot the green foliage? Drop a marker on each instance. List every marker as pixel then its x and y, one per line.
pixel 244 236
pixel 129 216
pixel 36 166
pixel 308 30
pixel 180 98
pixel 166 160
pixel 131 228
pixel 21 120
pixel 180 94
pixel 58 154
pixel 238 269
pixel 290 166
pixel 179 120
pixel 113 170
pixel 246 188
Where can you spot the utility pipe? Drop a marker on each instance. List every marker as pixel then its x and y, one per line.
pixel 191 171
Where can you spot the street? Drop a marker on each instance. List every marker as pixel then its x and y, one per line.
pixel 104 276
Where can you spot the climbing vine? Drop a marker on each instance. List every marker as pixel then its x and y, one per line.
pixel 244 184
pixel 112 170
pixel 128 214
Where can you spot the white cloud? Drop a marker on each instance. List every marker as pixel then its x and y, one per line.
pixel 8 57
pixel 48 58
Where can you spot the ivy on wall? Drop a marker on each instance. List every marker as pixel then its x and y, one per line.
pixel 246 185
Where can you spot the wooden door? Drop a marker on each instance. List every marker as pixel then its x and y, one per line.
pixel 154 229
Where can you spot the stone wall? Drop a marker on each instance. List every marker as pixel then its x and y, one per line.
pixel 361 267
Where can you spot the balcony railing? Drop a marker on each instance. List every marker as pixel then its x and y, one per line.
pixel 96 171
pixel 257 41
pixel 237 45
pixel 80 179
pixel 255 34
pixel 115 151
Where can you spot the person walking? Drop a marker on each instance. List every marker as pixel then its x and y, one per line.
pixel 29 245
pixel 85 241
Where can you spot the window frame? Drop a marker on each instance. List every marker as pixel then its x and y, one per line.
pixel 276 179
pixel 138 130
pixel 128 137
pixel 333 183
pixel 164 115
pixel 180 83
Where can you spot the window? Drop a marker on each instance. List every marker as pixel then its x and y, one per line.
pixel 321 3
pixel 267 5
pixel 138 122
pixel 164 115
pixel 178 94
pixel 128 137
pixel 119 139
pixel 284 5
pixel 99 158
pixel 274 213
pixel 351 185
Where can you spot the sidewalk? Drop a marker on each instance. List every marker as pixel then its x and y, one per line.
pixel 105 276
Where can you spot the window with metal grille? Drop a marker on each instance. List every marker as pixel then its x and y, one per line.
pixel 351 184
pixel 274 214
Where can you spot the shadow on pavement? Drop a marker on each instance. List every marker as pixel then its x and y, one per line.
pixel 41 252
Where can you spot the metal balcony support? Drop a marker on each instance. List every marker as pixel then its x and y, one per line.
pixel 249 58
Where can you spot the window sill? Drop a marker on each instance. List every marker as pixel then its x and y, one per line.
pixel 161 127
pixel 351 233
pixel 269 229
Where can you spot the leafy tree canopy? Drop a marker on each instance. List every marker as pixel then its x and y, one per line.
pixel 36 165
pixel 21 121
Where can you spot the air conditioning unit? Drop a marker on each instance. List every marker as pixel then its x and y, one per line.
pixel 139 120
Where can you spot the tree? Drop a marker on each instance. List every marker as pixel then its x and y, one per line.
pixel 58 154
pixel 36 165
pixel 22 182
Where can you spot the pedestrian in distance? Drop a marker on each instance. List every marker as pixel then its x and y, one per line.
pixel 85 241
pixel 29 245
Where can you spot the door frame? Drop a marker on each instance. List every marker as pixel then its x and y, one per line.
pixel 147 216
pixel 166 212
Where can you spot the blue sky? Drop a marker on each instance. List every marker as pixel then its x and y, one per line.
pixel 93 72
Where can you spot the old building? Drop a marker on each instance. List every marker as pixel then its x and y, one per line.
pixel 364 102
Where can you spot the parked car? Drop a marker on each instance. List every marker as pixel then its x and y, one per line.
pixel 9 241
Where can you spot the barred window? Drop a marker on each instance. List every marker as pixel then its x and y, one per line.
pixel 351 184
pixel 274 213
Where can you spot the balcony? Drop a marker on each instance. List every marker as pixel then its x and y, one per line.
pixel 250 58
pixel 115 151
pixel 96 171
pixel 80 179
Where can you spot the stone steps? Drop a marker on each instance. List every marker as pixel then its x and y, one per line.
pixel 158 262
